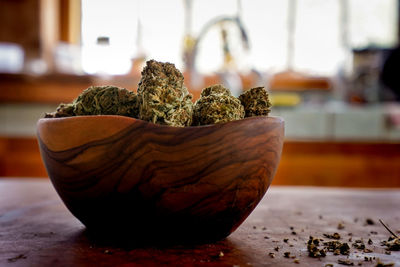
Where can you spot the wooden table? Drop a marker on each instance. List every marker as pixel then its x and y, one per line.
pixel 37 230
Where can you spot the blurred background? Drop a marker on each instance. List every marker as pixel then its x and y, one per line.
pixel 332 68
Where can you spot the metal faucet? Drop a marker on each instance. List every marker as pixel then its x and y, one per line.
pixel 191 43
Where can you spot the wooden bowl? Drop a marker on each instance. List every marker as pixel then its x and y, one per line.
pixel 119 174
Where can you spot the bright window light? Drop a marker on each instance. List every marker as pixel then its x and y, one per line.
pixel 318 34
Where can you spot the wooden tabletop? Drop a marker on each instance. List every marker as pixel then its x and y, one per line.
pixel 37 230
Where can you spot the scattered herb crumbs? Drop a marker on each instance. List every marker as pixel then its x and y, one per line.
pixel 367 258
pixel 19 257
pixel 345 262
pixel 337 247
pixel 359 244
pixel 286 254
pixel 369 221
pixel 392 244
pixel 340 226
pixel 370 242
pixel 313 248
pixel 381 264
pixel 333 236
pixel 272 255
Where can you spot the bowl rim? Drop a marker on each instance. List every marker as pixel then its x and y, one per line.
pixel 276 119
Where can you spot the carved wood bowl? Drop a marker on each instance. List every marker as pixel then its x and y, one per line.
pixel 122 175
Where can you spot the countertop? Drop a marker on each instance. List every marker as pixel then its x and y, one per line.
pixel 305 122
pixel 36 229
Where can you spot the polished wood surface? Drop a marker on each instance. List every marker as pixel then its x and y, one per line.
pixel 122 174
pixel 37 230
pixel 350 164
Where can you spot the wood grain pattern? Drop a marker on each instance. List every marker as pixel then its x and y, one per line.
pixel 122 175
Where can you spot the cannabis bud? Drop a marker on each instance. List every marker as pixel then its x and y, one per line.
pixel 63 110
pixel 215 89
pixel 106 100
pixel 256 102
pixel 162 96
pixel 216 105
pixel 100 100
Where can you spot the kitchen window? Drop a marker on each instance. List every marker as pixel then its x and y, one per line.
pixel 324 32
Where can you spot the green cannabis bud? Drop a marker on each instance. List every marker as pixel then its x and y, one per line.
pixel 216 105
pixel 256 102
pixel 215 89
pixel 162 96
pixel 106 100
pixel 63 110
pixel 100 100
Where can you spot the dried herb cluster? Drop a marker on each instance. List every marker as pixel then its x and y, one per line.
pixel 256 102
pixel 313 248
pixel 100 100
pixel 163 98
pixel 337 247
pixel 392 244
pixel 319 248
pixel 217 105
